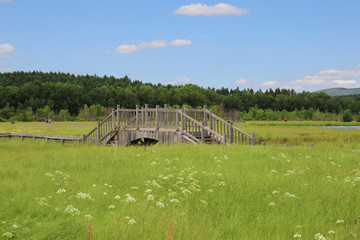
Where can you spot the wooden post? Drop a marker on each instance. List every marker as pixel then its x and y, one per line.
pixel 137 117
pixel 182 120
pixel 253 140
pixel 210 119
pixel 202 133
pixel 98 131
pixel 231 132
pixel 22 138
pixel 157 117
pixel 165 115
pixel 142 116
pixel 146 114
pixel 225 139
pixel 113 119
pixel 62 141
pixel 83 138
pixel 205 116
pixel 177 117
pixel 185 127
pixel 118 115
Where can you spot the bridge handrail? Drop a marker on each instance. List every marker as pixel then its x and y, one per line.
pixel 232 127
pixel 202 126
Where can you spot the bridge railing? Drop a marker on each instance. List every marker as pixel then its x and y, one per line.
pixel 198 122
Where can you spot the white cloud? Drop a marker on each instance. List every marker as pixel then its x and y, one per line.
pixel 127 48
pixel 333 78
pixel 241 81
pixel 5 1
pixel 344 82
pixel 269 83
pixel 153 44
pixel 6 49
pixel 181 42
pixel 205 10
pixel 178 80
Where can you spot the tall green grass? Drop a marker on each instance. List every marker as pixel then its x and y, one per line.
pixel 273 133
pixel 221 192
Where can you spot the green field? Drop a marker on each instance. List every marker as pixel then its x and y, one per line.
pixel 80 191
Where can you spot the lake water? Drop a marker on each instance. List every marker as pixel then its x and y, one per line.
pixel 343 127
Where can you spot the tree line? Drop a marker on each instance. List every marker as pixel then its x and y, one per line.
pixel 34 95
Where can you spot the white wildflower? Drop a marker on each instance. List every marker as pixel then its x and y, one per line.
pixel 272 157
pixel 117 197
pixel 48 174
pixel 127 217
pixel 110 186
pixel 174 200
pixel 204 202
pixel 148 191
pixel 160 204
pixel 273 171
pixel 60 191
pixel 340 221
pixel 129 198
pixel 72 210
pixel 111 207
pixel 289 195
pixel 105 193
pixel 84 196
pixel 319 236
pixel 138 155
pixel 222 183
pixel 15 226
pixel 153 164
pixel 8 235
pixel 131 222
pixel 271 204
pixel 297 235
pixel 210 190
pixel 275 192
pixel 172 194
pixel 150 197
pixel 94 185
pixel 186 192
pixel 105 184
pixel 331 232
pixel 88 216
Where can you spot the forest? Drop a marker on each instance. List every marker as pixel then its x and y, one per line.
pixel 29 96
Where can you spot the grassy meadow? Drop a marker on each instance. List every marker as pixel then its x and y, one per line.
pixel 81 191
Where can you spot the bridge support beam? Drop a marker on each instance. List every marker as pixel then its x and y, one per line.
pixel 126 137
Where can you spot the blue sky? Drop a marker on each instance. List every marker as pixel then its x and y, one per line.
pixel 260 44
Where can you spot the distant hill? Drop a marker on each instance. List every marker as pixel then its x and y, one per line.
pixel 341 91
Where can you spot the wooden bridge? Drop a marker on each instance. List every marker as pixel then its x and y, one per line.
pixel 149 125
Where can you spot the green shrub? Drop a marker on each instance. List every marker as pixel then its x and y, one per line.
pixel 347 116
